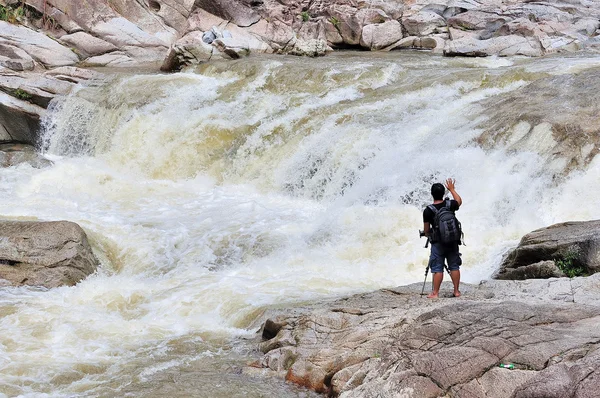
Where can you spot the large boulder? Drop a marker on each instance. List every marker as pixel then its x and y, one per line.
pixel 47 254
pixel 570 244
pixel 379 36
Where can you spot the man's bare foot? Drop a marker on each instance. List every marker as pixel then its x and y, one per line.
pixel 433 295
pixel 457 294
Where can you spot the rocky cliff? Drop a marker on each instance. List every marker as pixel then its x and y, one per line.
pixel 128 33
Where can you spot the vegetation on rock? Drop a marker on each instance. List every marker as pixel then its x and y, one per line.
pixel 11 14
pixel 22 95
pixel 568 262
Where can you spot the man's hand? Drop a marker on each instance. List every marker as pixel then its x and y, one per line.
pixel 450 182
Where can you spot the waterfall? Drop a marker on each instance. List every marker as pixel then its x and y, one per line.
pixel 213 194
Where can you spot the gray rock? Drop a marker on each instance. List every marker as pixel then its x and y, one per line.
pixel 14 58
pixel 209 37
pixel 232 48
pixel 503 46
pixel 580 240
pixel 423 23
pixel 16 154
pixel 20 120
pixel 542 270
pixel 39 90
pixel 379 36
pixel 48 254
pixel 39 46
pixel 233 11
pixel 309 48
pixel 191 49
pixel 87 44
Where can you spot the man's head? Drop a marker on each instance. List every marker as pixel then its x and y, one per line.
pixel 438 191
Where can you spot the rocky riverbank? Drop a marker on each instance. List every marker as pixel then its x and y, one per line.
pixel 396 343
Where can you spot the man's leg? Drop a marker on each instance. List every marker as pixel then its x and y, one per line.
pixel 436 265
pixel 455 275
pixel 454 263
pixel 438 277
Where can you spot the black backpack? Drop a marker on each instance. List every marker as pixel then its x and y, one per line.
pixel 446 227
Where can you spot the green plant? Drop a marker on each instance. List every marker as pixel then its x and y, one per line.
pixel 568 263
pixel 22 95
pixel 305 16
pixel 11 14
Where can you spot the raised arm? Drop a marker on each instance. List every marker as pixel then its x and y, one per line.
pixel 450 182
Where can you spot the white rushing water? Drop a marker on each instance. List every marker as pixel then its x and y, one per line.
pixel 213 194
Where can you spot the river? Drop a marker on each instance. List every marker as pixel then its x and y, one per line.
pixel 212 195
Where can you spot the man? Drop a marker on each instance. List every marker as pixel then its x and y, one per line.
pixel 442 251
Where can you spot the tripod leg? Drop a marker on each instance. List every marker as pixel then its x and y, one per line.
pixel 425 281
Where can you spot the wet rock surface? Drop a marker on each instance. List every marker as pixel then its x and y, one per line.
pixel 396 343
pixel 15 154
pixel 554 116
pixel 47 254
pixel 25 95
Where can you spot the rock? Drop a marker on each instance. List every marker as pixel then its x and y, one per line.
pixel 208 37
pixel 39 46
pixel 122 32
pixel 379 36
pixel 503 46
pixel 396 343
pixel 580 241
pixel 309 48
pixel 14 58
pixel 39 90
pixel 87 44
pixel 16 154
pixel 73 75
pixel 542 270
pixel 48 254
pixel 113 59
pixel 424 23
pixel 233 11
pixel 232 48
pixel 20 120
pixel 526 120
pixel 485 23
pixel 189 50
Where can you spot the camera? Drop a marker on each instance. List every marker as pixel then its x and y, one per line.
pixel 422 234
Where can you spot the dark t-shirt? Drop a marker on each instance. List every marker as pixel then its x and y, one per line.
pixel 428 213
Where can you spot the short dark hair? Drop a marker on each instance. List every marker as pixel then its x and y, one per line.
pixel 438 191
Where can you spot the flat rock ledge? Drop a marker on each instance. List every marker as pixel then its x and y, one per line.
pixel 46 254
pixel 396 343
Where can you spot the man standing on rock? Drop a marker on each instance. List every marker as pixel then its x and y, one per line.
pixel 443 230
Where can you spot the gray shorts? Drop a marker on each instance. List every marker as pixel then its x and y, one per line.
pixel 441 252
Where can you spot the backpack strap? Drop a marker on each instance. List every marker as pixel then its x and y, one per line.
pixel 433 209
pixel 448 204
